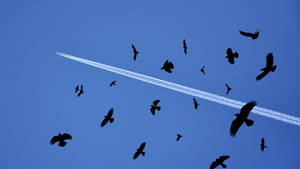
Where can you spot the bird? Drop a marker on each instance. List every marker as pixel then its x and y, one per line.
pixel 230 55
pixel 76 88
pixel 269 67
pixel 184 46
pixel 112 83
pixel 219 161
pixel 178 137
pixel 168 66
pixel 135 52
pixel 262 144
pixel 154 107
pixel 140 150
pixel 252 35
pixel 196 104
pixel 61 139
pixel 242 117
pixel 228 89
pixel 202 69
pixel 108 117
pixel 81 91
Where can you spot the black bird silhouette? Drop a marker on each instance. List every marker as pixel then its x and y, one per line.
pixel 230 55
pixel 61 139
pixel 81 91
pixel 108 117
pixel 269 67
pixel 112 83
pixel 178 137
pixel 184 46
pixel 168 66
pixel 228 89
pixel 219 161
pixel 202 69
pixel 262 144
pixel 241 118
pixel 154 107
pixel 135 52
pixel 252 35
pixel 76 88
pixel 140 151
pixel 195 103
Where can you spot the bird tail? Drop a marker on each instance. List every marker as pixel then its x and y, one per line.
pixel 249 122
pixel 143 153
pixel 158 108
pixel 223 165
pixel 111 120
pixel 273 68
pixel 62 143
pixel 236 55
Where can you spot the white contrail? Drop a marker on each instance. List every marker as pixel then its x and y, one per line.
pixel 190 91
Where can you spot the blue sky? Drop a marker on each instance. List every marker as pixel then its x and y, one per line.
pixel 38 98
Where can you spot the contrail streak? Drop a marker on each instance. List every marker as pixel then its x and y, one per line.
pixel 190 91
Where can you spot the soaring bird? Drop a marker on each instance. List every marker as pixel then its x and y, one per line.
pixel 168 66
pixel 228 89
pixel 230 55
pixel 61 139
pixel 154 107
pixel 135 52
pixel 269 67
pixel 252 35
pixel 112 83
pixel 202 69
pixel 108 117
pixel 178 137
pixel 196 104
pixel 81 91
pixel 242 117
pixel 140 150
pixel 219 161
pixel 262 144
pixel 184 46
pixel 76 88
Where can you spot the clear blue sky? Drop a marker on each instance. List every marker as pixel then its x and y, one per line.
pixel 38 99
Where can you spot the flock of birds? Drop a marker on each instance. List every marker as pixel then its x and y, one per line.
pixel 240 119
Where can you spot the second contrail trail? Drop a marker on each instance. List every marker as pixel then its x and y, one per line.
pixel 190 91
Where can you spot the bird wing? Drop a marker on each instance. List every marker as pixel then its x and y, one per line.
pixel 229 51
pixel 152 110
pixel 235 125
pixel 104 122
pixel 133 47
pixel 136 154
pixel 262 75
pixel 245 110
pixel 155 102
pixel 262 141
pixel 246 34
pixel 110 112
pixel 213 165
pixel 227 85
pixel 269 60
pixel 66 136
pixel 223 158
pixel 171 65
pixel 54 140
pixel 142 146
